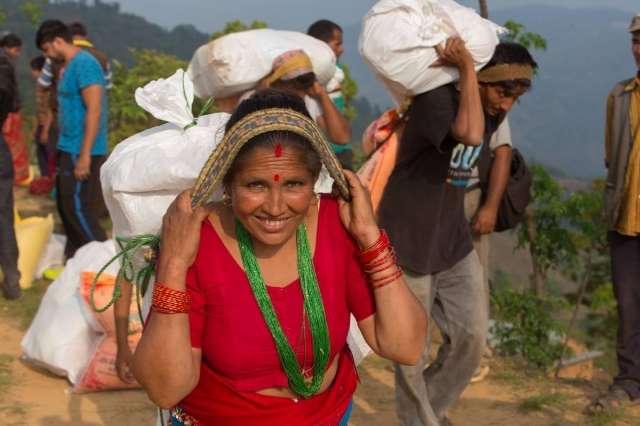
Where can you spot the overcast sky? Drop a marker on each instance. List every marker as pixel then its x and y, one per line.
pixel 210 15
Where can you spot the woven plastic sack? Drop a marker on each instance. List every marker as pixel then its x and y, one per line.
pixel 236 62
pixel 100 373
pixel 147 171
pixel 398 42
pixel 32 235
pixel 62 336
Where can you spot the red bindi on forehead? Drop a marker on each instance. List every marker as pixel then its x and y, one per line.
pixel 278 151
pixel 276 178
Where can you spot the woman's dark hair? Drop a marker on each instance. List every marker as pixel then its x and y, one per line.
pixel 265 99
pixel 323 30
pixel 302 83
pixel 10 40
pixel 512 53
pixel 37 63
pixel 78 29
pixel 50 30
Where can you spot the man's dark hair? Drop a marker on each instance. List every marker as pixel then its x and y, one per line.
pixel 512 53
pixel 323 30
pixel 78 29
pixel 10 40
pixel 302 82
pixel 50 30
pixel 37 63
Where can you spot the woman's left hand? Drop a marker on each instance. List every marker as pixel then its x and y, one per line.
pixel 357 215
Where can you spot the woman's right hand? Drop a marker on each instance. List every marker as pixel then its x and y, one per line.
pixel 180 236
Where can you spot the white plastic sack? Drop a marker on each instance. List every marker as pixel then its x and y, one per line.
pixel 398 42
pixel 53 254
pixel 61 337
pixel 147 171
pixel 235 63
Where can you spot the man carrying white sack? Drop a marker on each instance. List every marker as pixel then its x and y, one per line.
pixel 293 71
pixel 422 210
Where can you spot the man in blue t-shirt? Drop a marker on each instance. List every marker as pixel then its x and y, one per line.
pixel 82 145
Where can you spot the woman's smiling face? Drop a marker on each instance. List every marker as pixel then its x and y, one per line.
pixel 271 192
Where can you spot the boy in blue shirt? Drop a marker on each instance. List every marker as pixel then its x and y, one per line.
pixel 82 144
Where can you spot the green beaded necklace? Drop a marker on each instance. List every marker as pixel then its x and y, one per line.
pixel 313 307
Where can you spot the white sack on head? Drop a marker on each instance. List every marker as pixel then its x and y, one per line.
pixel 235 63
pixel 146 172
pixel 398 42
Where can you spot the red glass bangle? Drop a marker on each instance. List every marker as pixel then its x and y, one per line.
pixel 169 301
pixel 389 257
pixel 369 254
pixel 383 282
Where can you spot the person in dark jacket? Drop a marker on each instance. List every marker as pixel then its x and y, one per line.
pixel 8 103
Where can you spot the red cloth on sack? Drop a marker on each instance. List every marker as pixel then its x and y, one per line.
pixel 12 132
pixel 238 352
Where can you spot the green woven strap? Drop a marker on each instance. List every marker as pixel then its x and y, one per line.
pixel 129 247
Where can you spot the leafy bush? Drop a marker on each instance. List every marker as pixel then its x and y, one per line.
pixel 525 327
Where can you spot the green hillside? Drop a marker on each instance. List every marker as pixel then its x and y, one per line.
pixel 111 30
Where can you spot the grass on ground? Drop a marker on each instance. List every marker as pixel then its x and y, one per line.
pixel 24 309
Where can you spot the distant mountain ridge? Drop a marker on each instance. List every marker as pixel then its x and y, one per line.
pixel 560 123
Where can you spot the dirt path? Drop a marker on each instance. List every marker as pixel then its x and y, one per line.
pixel 508 397
pixel 37 398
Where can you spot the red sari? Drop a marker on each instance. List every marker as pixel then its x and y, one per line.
pixel 238 353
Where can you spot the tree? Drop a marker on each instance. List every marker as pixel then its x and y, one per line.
pixel 238 26
pixel 517 34
pixel 34 10
pixel 126 118
pixel 544 231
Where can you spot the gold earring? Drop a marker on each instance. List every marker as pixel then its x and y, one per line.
pixel 226 199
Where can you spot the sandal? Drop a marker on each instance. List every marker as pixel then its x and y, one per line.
pixel 614 399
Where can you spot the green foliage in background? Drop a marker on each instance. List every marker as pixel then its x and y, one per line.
pixel 516 33
pixel 545 233
pixel 34 10
pixel 126 118
pixel 524 327
pixel 238 26
pixel 349 91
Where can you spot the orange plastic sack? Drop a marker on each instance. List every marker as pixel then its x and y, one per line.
pixel 12 132
pixel 100 374
pixel 381 139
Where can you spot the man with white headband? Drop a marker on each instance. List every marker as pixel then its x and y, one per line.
pixel 422 210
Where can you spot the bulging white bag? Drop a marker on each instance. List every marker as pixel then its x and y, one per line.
pixel 62 337
pixel 398 42
pixel 147 171
pixel 236 62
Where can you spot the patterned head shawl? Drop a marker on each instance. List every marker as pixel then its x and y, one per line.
pixel 290 65
pixel 256 124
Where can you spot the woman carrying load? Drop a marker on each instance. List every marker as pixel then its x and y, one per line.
pixel 254 294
